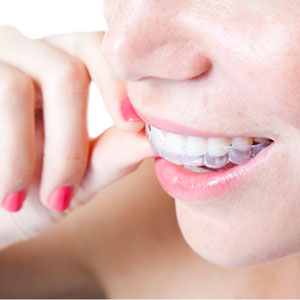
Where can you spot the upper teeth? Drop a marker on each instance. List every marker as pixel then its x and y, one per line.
pixel 214 152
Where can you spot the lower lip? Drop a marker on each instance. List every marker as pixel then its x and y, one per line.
pixel 194 187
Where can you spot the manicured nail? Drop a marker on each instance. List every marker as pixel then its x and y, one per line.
pixel 61 198
pixel 128 112
pixel 14 201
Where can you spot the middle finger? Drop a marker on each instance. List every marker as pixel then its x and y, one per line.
pixel 64 82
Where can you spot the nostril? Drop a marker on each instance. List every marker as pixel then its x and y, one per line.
pixel 196 68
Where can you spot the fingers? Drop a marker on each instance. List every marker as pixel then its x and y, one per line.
pixel 88 48
pixel 113 155
pixel 58 67
pixel 16 136
pixel 64 82
pixel 66 135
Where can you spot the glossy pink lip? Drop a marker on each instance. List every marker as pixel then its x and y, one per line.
pixel 202 187
pixel 180 129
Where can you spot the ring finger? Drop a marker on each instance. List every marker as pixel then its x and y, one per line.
pixel 17 96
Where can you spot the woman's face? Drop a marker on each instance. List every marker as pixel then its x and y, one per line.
pixel 220 68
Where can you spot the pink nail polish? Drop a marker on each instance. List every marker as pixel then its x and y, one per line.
pixel 128 112
pixel 14 201
pixel 61 198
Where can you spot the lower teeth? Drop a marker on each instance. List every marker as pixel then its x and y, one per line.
pixel 197 169
pixel 204 169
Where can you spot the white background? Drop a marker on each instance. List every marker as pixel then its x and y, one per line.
pixel 37 18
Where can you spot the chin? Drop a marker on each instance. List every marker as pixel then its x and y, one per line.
pixel 230 244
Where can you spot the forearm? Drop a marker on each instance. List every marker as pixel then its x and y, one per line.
pixel 44 267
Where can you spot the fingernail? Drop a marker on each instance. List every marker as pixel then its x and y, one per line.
pixel 14 201
pixel 128 112
pixel 61 198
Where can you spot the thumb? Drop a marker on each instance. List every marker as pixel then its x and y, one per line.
pixel 114 154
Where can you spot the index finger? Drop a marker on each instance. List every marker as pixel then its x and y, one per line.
pixel 87 48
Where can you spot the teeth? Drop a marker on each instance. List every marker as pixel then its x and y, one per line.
pixel 217 146
pixel 197 169
pixel 173 147
pixel 195 146
pixel 174 143
pixel 242 143
pixel 241 150
pixel 217 152
pixel 159 134
pixel 212 152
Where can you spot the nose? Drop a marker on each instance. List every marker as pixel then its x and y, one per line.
pixel 145 39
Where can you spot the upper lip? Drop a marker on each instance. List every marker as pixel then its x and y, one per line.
pixel 173 127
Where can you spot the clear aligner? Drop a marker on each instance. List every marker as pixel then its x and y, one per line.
pixel 235 154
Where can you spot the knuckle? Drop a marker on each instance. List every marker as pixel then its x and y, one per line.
pixel 85 41
pixel 19 171
pixel 15 84
pixel 74 158
pixel 68 160
pixel 70 72
pixel 95 37
pixel 24 168
pixel 8 29
pixel 23 165
pixel 76 163
pixel 9 33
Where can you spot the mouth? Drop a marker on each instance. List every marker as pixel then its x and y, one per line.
pixel 198 169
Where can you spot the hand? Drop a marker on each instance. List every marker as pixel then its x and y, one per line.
pixel 44 144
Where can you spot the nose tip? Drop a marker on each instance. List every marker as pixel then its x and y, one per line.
pixel 134 59
pixel 119 56
pixel 141 45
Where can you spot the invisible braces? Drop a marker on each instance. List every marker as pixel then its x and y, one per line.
pixel 237 154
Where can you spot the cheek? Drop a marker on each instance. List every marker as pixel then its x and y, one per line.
pixel 271 83
pixel 253 225
pixel 263 64
pixel 278 93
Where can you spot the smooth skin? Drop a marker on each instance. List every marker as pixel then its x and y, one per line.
pixel 130 246
pixel 29 81
pixel 45 144
pixel 237 72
